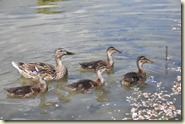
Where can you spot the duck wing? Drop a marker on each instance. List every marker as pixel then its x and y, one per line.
pixel 92 64
pixel 131 77
pixel 19 91
pixel 39 88
pixel 82 85
pixel 28 70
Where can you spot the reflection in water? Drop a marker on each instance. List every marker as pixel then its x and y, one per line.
pixel 166 64
pixel 94 108
pixel 25 81
pixel 44 105
pixel 48 6
pixel 101 95
pixel 60 95
pixel 166 67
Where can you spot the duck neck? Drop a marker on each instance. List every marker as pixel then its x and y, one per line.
pixel 110 59
pixel 61 70
pixel 100 79
pixel 140 68
pixel 58 61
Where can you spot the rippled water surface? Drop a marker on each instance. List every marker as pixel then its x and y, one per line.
pixel 30 31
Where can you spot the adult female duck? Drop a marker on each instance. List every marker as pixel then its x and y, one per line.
pixel 52 72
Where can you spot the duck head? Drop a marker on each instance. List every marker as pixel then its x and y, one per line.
pixel 142 60
pixel 101 68
pixel 61 52
pixel 112 50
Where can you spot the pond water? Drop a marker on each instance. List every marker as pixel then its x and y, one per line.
pixel 30 31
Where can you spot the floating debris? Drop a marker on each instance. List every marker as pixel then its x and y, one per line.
pixel 168 57
pixel 109 112
pixel 56 105
pixel 178 78
pixel 154 106
pixel 115 105
pixel 177 69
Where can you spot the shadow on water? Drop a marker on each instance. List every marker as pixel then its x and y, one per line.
pixel 48 7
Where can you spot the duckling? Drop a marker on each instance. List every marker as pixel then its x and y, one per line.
pixel 109 62
pixel 86 84
pixel 52 72
pixel 29 90
pixel 132 78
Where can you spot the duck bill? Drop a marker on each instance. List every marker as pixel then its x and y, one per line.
pixel 118 51
pixel 149 61
pixel 69 53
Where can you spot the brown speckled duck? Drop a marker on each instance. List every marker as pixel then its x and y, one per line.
pixel 86 84
pixel 52 72
pixel 132 78
pixel 29 90
pixel 109 62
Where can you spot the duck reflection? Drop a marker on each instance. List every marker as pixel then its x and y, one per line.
pixel 101 94
pixel 60 95
pixel 48 6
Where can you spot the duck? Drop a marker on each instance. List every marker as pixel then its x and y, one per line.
pixel 28 91
pixel 85 85
pixel 132 78
pixel 92 65
pixel 52 72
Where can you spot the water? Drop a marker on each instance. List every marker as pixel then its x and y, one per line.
pixel 30 31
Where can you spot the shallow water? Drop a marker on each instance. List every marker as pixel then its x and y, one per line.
pixel 30 31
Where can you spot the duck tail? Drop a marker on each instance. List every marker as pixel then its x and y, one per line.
pixel 9 90
pixel 86 65
pixel 16 66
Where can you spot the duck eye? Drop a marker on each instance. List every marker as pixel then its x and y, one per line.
pixel 141 61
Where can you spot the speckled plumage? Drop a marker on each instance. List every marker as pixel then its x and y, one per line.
pixel 94 64
pixel 29 90
pixel 86 84
pixel 82 85
pixel 132 78
pixel 51 72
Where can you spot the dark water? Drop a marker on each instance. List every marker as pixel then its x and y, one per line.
pixel 31 30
